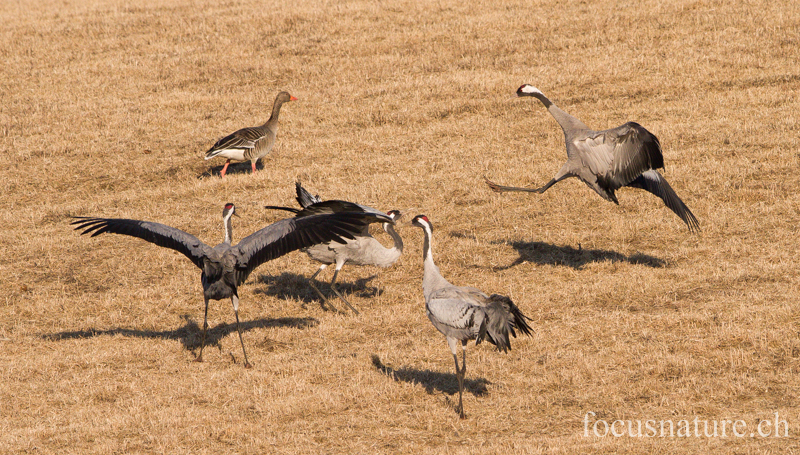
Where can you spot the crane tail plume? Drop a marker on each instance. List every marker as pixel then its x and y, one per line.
pixel 504 317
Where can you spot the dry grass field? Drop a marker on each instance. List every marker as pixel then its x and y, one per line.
pixel 107 107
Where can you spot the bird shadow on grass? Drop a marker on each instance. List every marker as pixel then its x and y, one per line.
pixel 191 334
pixel 294 286
pixel 548 254
pixel 432 380
pixel 243 167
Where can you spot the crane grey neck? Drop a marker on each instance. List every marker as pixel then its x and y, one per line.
pixel 228 227
pixel 567 122
pixel 398 241
pixel 432 279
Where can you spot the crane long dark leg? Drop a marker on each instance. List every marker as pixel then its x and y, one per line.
pixel 199 358
pixel 548 185
pixel 324 299
pixel 502 189
pixel 235 302
pixel 463 372
pixel 460 377
pixel 333 287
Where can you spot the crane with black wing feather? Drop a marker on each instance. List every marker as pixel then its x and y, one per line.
pixel 364 249
pixel 608 160
pixel 463 313
pixel 226 266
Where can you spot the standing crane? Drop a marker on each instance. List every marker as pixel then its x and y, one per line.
pixel 608 160
pixel 364 249
pixel 463 313
pixel 226 266
pixel 251 143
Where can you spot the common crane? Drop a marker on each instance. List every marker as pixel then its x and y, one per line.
pixel 364 249
pixel 226 266
pixel 464 313
pixel 608 160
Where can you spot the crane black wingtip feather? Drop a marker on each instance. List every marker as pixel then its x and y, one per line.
pixel 86 224
pixel 288 209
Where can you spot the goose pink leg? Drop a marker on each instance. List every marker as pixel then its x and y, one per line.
pixel 224 169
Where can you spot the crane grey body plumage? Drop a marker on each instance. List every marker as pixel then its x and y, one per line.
pixel 225 266
pixel 608 160
pixel 363 249
pixel 252 143
pixel 463 313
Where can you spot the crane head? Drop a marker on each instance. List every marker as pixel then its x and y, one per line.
pixel 423 222
pixel 528 90
pixel 229 210
pixel 394 214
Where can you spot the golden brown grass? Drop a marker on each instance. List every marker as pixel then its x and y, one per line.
pixel 107 108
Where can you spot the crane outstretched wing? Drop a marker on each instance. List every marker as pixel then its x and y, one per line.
pixel 637 150
pixel 313 205
pixel 653 182
pixel 337 206
pixel 332 207
pixel 158 234
pixel 619 155
pixel 292 234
